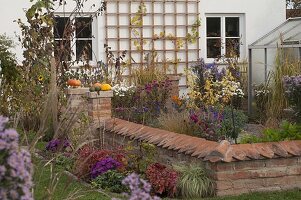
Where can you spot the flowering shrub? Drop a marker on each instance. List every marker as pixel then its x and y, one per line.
pixel 217 123
pixel 57 144
pixel 214 86
pixel 293 92
pixel 209 121
pixel 88 157
pixel 103 166
pixel 139 188
pixel 15 166
pixel 144 103
pixel 162 179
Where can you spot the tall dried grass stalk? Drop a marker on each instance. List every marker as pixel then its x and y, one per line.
pixel 285 65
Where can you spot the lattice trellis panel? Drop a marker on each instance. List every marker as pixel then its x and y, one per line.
pixel 160 31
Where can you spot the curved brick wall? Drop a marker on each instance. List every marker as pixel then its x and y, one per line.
pixel 235 168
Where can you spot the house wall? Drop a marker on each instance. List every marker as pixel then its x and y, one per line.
pixel 260 17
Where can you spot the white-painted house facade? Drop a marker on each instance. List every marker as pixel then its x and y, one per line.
pixel 221 21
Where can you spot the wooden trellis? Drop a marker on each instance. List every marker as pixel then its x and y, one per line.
pixel 164 31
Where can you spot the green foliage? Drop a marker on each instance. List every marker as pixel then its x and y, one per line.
pixel 8 73
pixel 194 181
pixel 287 131
pixel 111 181
pixel 140 159
pixel 65 161
pixel 227 128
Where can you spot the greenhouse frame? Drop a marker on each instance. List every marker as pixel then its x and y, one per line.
pixel 262 52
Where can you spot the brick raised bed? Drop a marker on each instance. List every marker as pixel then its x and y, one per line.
pixel 236 169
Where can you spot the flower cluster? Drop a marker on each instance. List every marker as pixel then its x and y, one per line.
pixel 139 188
pixel 122 89
pixel 143 103
pixel 15 166
pixel 209 121
pixel 292 86
pixel 103 166
pixel 55 145
pixel 213 85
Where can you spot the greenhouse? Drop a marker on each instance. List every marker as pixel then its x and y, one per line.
pixel 262 53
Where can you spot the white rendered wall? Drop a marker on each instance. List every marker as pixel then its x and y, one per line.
pixel 260 16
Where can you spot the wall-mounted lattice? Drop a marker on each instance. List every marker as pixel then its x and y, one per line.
pixel 160 31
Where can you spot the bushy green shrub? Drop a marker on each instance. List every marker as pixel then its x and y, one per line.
pixel 111 181
pixel 287 131
pixel 194 181
pixel 238 118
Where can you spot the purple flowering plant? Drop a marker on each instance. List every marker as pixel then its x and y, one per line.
pixel 209 120
pixel 292 85
pixel 144 103
pixel 139 188
pixel 57 144
pixel 15 166
pixel 103 166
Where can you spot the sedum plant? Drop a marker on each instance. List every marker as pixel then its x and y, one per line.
pixel 15 166
pixel 111 181
pixel 194 182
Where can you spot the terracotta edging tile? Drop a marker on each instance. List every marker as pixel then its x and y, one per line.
pixel 201 148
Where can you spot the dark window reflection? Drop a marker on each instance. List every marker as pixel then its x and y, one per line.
pixel 232 27
pixel 213 26
pixel 84 50
pixel 213 48
pixel 83 27
pixel 60 26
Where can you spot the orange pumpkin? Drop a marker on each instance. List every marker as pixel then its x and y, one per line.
pixel 74 83
pixel 97 85
pixel 78 83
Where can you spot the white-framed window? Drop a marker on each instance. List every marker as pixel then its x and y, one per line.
pixel 224 33
pixel 80 31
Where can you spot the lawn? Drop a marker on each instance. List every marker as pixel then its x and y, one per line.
pixel 53 184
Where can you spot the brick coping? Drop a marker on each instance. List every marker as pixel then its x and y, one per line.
pixel 203 149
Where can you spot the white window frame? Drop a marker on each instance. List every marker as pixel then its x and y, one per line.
pixel 92 62
pixel 242 34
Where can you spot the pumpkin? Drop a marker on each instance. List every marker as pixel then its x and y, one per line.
pixel 97 88
pixel 97 84
pixel 73 83
pixel 92 89
pixel 78 83
pixel 105 87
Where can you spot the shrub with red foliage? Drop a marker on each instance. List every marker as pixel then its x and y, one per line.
pixel 88 157
pixel 162 179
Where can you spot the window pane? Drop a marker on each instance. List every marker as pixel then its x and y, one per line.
pixel 84 50
pixel 213 26
pixel 62 50
pixel 60 26
pixel 232 26
pixel 232 47
pixel 83 27
pixel 213 48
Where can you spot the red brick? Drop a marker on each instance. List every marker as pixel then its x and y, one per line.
pixel 278 162
pixel 224 185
